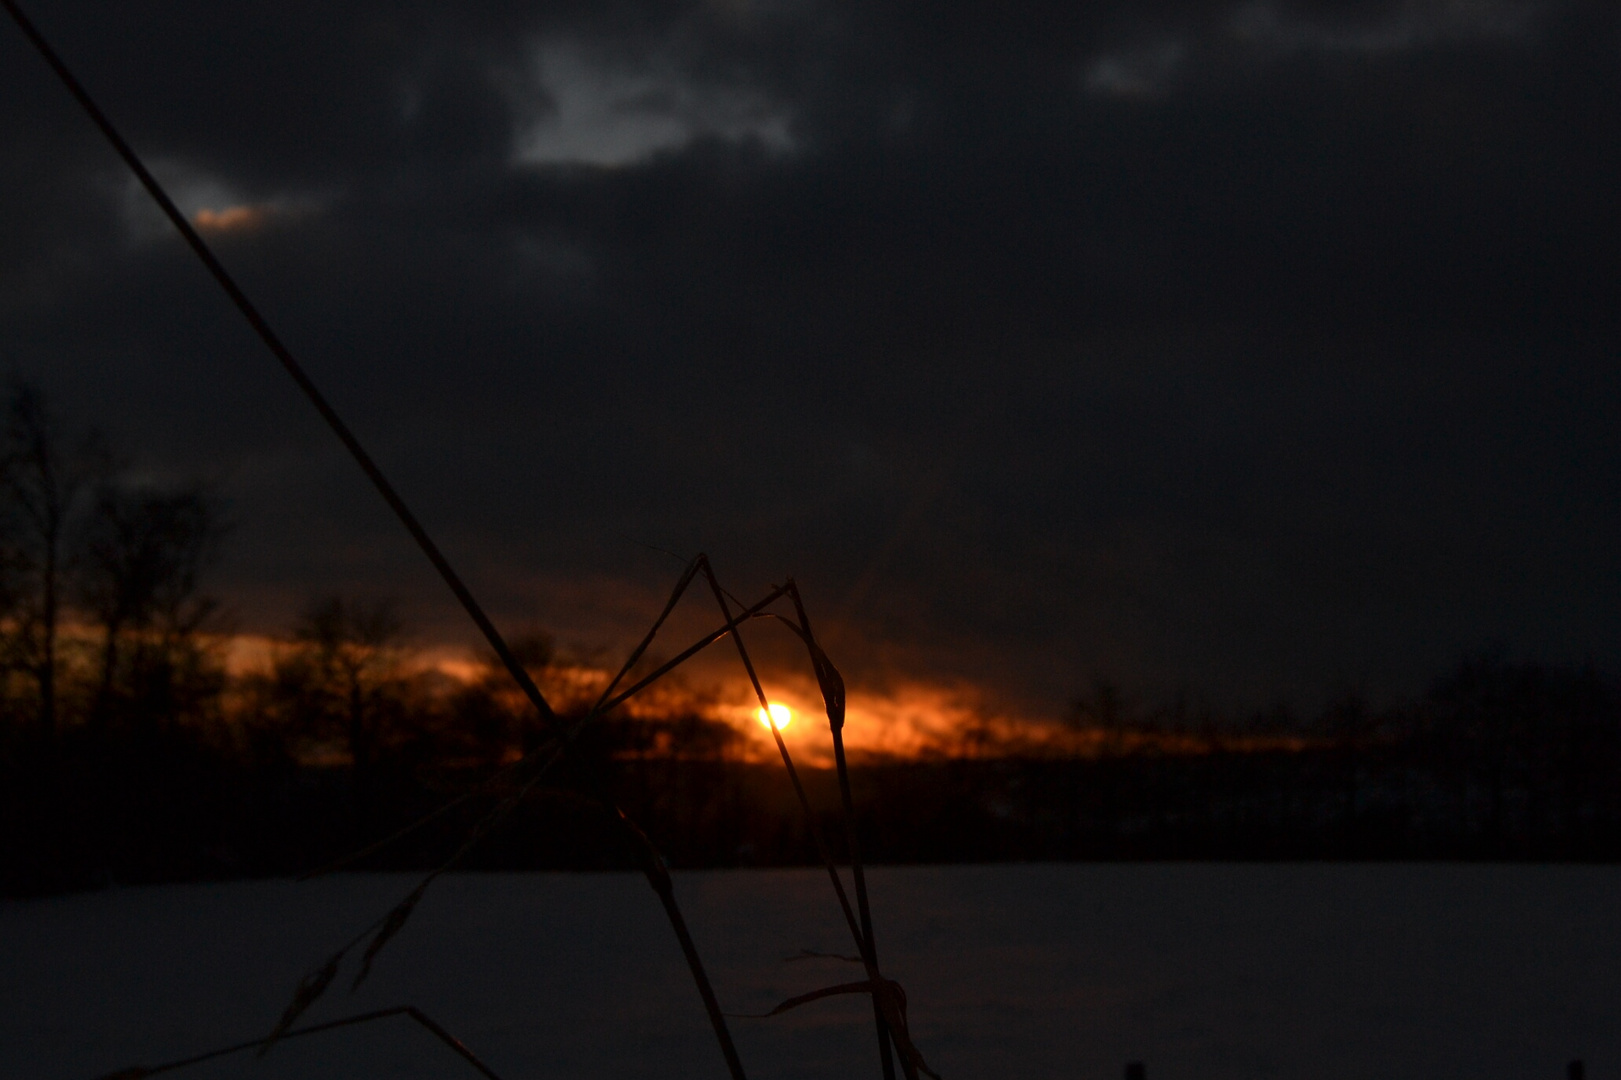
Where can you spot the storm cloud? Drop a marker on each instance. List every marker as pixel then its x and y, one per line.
pixel 1254 348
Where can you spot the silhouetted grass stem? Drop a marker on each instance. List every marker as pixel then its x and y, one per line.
pixel 140 1071
pixel 835 723
pixel 373 472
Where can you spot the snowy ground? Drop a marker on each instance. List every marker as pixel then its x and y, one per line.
pixel 1202 971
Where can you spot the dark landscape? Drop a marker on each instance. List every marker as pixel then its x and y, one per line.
pixel 1192 428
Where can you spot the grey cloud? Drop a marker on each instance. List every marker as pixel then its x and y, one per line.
pixel 209 201
pixel 575 108
pixel 1136 73
pixel 1412 24
pixel 1300 372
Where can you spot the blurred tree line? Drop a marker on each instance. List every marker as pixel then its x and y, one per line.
pixel 100 600
pixel 1499 759
pixel 127 749
pixel 130 753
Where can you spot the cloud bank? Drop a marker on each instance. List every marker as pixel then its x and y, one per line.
pixel 1259 349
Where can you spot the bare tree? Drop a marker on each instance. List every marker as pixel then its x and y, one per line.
pixel 345 675
pixel 45 486
pixel 140 579
pixel 490 716
pixel 1103 713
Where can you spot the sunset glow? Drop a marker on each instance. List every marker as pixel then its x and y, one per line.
pixel 231 219
pixel 900 720
pixel 781 714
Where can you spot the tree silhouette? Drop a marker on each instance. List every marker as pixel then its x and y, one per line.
pixel 345 676
pixel 45 485
pixel 140 580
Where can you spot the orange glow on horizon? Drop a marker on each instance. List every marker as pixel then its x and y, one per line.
pixel 231 219
pixel 898 720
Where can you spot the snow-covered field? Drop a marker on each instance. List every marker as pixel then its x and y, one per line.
pixel 1202 971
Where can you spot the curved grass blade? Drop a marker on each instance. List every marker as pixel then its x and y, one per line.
pixel 392 924
pixel 832 684
pixel 812 954
pixel 310 989
pixel 139 1072
pixel 890 996
pixel 862 987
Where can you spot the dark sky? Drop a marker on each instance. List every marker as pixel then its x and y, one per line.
pixel 1262 349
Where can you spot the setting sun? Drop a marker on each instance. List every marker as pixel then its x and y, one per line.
pixel 781 714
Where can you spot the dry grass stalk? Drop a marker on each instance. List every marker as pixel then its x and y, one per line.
pixel 531 769
pixel 832 687
pixel 139 1072
pixel 885 994
pixel 862 987
pixel 888 999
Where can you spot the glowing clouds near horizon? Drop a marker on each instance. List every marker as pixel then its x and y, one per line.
pixel 780 716
pixel 230 220
pixel 904 719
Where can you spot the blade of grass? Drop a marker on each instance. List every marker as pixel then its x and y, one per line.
pixel 294 369
pixel 137 1072
pixel 812 954
pixel 391 923
pixel 787 759
pixel 893 1013
pixel 862 987
pixel 652 632
pixel 309 990
pixel 696 647
pixel 832 686
pixel 887 990
pixel 889 1019
pixel 397 835
pixel 659 875
pixel 339 428
pixel 601 709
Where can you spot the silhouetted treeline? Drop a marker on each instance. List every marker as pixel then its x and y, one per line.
pixel 129 753
pixel 1501 760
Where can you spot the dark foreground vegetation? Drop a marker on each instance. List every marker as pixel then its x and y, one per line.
pixel 1500 761
pixel 129 753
